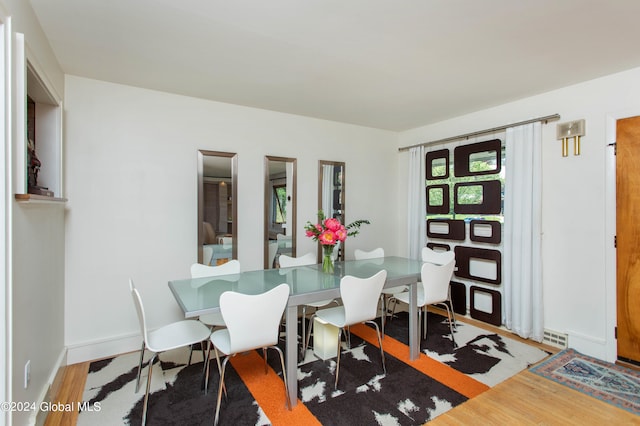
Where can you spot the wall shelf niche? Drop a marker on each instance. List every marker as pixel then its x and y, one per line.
pixel 38 132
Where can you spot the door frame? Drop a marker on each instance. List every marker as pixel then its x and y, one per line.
pixel 610 230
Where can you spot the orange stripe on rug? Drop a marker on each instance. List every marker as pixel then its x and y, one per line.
pixel 268 391
pixel 446 375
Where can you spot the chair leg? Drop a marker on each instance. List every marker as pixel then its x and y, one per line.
pixel 384 366
pixel 395 303
pixel 284 375
pixel 338 359
pixel 383 317
pixel 453 339
pixel 190 354
pixel 220 387
pixel 304 326
pixel 206 374
pixel 306 343
pixel 264 355
pixel 206 379
pixel 146 394
pixel 453 314
pixel 424 321
pixel 139 368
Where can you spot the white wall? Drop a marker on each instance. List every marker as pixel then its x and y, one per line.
pixel 35 244
pixel 131 182
pixel 577 233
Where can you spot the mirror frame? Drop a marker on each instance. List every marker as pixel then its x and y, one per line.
pixel 292 206
pixel 322 163
pixel 233 157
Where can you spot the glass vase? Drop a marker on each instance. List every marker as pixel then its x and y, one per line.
pixel 327 259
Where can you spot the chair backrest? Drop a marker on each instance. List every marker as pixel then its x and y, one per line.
pixel 373 254
pixel 336 250
pixel 284 240
pixel 225 241
pixel 253 321
pixel 273 250
pixel 360 296
pixel 435 281
pixel 207 254
pixel 288 261
pixel 137 301
pixel 437 257
pixel 199 271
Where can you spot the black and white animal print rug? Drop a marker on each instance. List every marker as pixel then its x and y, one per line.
pixel 409 393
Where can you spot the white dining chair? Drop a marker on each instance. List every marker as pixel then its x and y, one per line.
pixel 225 241
pixel 386 292
pixel 171 336
pixel 336 251
pixel 260 330
pixel 273 250
pixel 207 254
pixel 307 259
pixel 432 290
pixel 200 271
pixel 440 258
pixel 285 239
pixel 359 304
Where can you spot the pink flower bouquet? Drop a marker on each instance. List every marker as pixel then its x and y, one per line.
pixel 328 231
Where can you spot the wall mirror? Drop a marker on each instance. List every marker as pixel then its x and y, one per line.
pixel 217 207
pixel 331 195
pixel 279 209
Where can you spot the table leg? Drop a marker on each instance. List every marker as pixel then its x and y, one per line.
pixel 414 339
pixel 291 360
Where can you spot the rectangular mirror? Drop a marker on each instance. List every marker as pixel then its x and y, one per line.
pixel 279 209
pixel 331 196
pixel 217 207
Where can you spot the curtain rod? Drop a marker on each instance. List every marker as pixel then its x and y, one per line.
pixel 484 132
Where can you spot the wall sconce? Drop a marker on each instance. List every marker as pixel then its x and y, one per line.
pixel 570 129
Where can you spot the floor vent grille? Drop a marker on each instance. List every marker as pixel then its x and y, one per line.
pixel 554 338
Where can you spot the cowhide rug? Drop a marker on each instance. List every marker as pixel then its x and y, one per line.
pixel 365 396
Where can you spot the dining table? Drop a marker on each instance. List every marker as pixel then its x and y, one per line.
pixel 199 296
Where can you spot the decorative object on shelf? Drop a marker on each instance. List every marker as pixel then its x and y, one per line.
pixel 328 231
pixel 33 168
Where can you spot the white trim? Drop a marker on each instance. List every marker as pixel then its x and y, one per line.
pixel 611 347
pixel 49 391
pixel 102 348
pixel 5 213
pixel 588 344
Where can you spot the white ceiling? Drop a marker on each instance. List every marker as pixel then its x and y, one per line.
pixel 380 63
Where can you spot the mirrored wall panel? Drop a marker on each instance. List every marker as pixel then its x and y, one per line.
pixel 217 207
pixel 279 209
pixel 331 196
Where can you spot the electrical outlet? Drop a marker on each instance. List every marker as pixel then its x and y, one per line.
pixel 27 373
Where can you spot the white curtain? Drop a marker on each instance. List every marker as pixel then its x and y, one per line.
pixel 523 310
pixel 417 200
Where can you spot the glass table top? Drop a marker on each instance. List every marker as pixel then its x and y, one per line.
pixel 197 296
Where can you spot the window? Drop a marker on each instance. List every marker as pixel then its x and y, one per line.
pixel 464 188
pixel 279 204
pixel 476 192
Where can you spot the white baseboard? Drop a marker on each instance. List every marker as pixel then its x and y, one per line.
pixel 588 345
pixel 50 391
pixel 103 348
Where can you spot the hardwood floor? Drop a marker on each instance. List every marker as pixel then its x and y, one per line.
pixel 70 392
pixel 525 399
pixel 529 399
